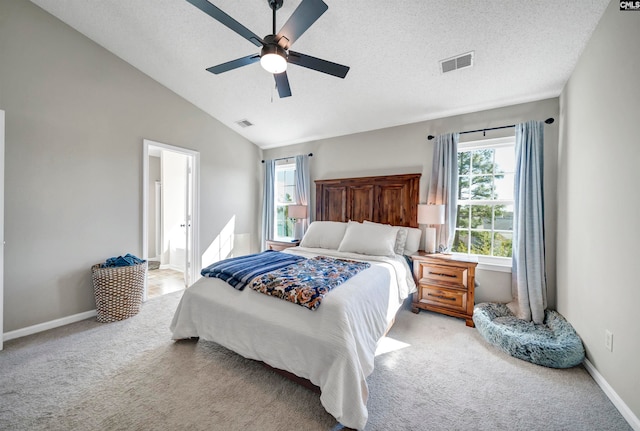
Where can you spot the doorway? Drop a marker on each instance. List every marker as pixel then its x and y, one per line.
pixel 170 217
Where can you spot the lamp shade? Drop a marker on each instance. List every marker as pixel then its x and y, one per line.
pixel 298 211
pixel 430 214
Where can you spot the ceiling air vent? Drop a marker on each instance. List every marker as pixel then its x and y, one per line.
pixel 458 62
pixel 244 123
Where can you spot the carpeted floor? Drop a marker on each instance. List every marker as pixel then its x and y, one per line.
pixel 433 373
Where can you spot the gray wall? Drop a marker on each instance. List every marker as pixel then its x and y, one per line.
pixel 405 149
pixel 76 117
pixel 599 201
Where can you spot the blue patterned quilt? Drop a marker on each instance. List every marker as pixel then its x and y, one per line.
pixel 239 271
pixel 306 282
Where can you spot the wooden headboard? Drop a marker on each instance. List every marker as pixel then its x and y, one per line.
pixel 389 199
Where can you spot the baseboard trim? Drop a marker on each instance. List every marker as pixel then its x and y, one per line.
pixel 625 411
pixel 40 327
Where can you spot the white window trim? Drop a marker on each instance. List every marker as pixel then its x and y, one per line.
pixel 284 164
pixel 488 263
pixel 486 143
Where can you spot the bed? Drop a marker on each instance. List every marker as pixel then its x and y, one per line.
pixel 332 347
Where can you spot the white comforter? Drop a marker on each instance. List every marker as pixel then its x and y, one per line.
pixel 333 346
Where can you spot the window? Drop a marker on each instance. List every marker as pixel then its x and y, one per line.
pixel 285 195
pixel 484 225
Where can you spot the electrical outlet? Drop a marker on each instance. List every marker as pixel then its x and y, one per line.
pixel 608 340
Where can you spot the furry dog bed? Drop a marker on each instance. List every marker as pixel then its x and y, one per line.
pixel 554 344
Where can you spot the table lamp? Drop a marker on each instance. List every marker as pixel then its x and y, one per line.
pixel 298 212
pixel 430 215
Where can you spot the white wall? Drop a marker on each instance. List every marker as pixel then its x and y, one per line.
pixel 76 117
pixel 405 149
pixel 599 201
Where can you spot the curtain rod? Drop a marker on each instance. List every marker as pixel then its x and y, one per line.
pixel 290 157
pixel 548 121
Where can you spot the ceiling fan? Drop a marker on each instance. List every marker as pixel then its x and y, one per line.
pixel 275 54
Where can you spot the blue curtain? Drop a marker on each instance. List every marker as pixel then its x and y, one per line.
pixel 529 288
pixel 443 187
pixel 268 209
pixel 302 187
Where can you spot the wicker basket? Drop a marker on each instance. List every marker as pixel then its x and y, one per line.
pixel 118 290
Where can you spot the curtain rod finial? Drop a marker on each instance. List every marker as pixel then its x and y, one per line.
pixel 549 120
pixel 430 137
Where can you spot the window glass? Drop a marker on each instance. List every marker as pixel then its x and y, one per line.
pixel 463 216
pixel 464 190
pixel 505 159
pixel 464 163
pixel 503 187
pixel 502 243
pixel 503 217
pixel 481 187
pixel 482 161
pixel 285 195
pixel 484 225
pixel 481 216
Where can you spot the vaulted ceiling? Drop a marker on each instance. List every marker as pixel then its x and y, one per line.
pixel 523 51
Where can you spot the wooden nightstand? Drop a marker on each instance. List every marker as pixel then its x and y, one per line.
pixel 272 244
pixel 445 285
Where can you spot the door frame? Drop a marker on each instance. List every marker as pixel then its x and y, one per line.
pixel 192 272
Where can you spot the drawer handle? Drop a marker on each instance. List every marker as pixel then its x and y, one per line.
pixel 439 274
pixel 441 297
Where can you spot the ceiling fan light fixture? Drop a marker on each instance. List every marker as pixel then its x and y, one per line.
pixel 273 59
pixel 275 54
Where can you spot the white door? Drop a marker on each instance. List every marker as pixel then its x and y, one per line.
pixel 1 226
pixel 174 212
pixel 188 212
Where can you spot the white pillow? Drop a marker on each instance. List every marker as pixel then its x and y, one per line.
pixel 413 241
pixel 369 238
pixel 324 234
pixel 401 238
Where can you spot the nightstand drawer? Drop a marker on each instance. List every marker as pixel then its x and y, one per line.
pixel 452 299
pixel 448 275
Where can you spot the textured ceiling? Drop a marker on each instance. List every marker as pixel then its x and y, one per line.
pixel 524 51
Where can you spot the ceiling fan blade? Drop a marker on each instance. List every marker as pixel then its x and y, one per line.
pixel 226 20
pixel 318 64
pixel 282 82
pixel 234 64
pixel 302 18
